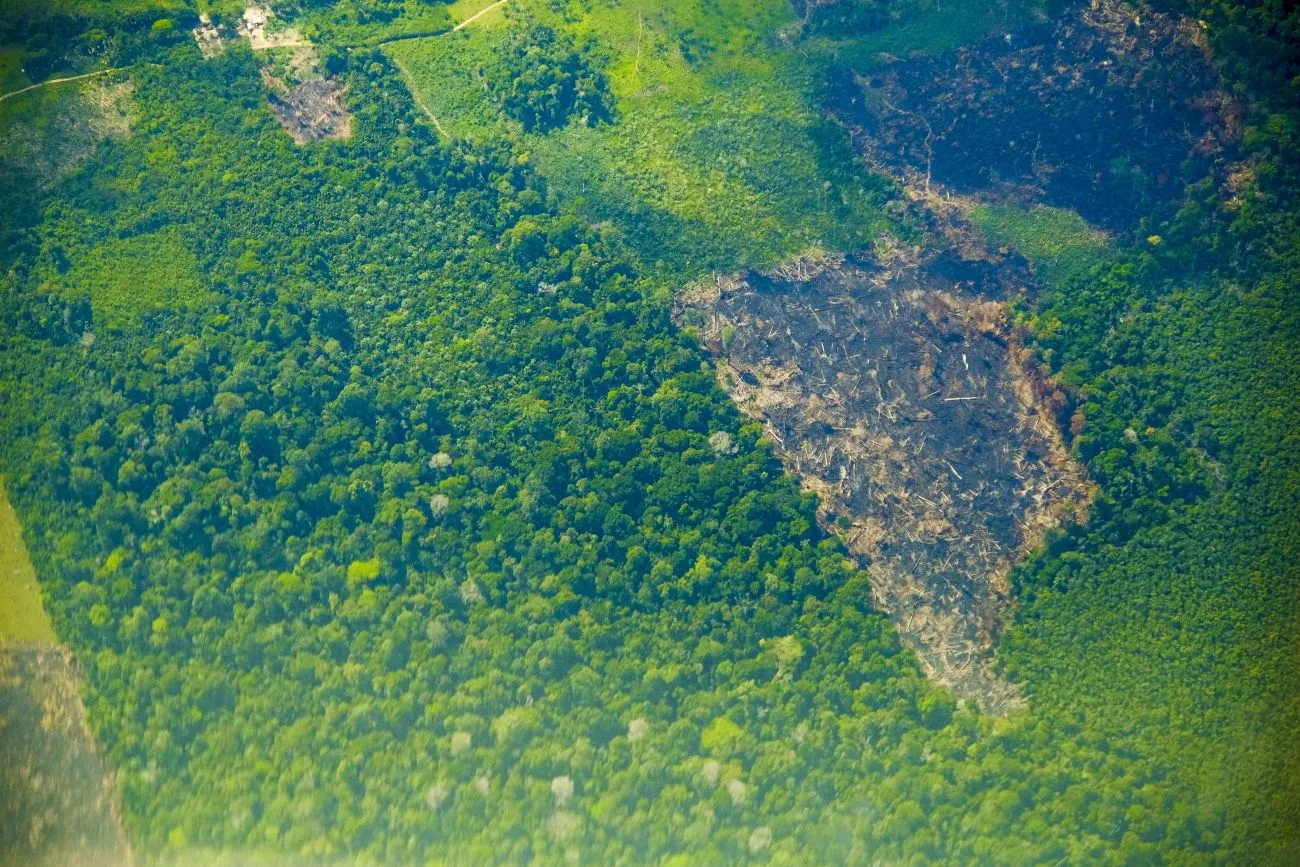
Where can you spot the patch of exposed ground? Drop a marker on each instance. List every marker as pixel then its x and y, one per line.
pixel 1105 110
pixel 308 103
pixel 53 137
pixel 311 110
pixel 257 25
pixel 57 804
pixel 895 388
pixel 208 37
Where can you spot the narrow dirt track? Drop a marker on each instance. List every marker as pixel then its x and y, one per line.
pixel 477 15
pixel 5 96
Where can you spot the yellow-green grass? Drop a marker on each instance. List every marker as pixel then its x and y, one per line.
pixel 1057 240
pixel 463 10
pixel 716 158
pixel 22 616
pixel 125 277
pixel 948 26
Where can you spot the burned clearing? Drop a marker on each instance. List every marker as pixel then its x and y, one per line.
pixel 311 111
pixel 1104 110
pixel 895 389
pixel 308 103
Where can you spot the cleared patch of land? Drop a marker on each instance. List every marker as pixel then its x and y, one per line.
pixel 484 13
pixel 45 132
pixel 1102 111
pixel 57 803
pixel 894 388
pixel 22 617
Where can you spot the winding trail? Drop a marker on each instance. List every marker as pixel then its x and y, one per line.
pixel 406 72
pixel 5 96
pixel 415 95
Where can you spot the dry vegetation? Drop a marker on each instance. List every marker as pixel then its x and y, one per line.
pixel 56 795
pixel 57 130
pixel 895 389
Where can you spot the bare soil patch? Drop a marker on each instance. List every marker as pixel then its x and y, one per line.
pixel 311 111
pixel 57 804
pixel 51 140
pixel 309 104
pixel 208 37
pixel 256 26
pixel 894 387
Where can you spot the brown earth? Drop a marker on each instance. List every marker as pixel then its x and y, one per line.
pixel 57 804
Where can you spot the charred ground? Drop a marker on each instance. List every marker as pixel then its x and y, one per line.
pixel 1103 110
pixel 894 388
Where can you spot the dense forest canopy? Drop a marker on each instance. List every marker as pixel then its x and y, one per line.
pixel 391 519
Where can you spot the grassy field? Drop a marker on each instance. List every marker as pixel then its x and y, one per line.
pixel 1056 240
pixel 22 617
pixel 464 10
pixel 718 157
pixel 950 25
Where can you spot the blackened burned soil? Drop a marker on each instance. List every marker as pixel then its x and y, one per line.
pixel 312 111
pixel 1105 110
pixel 893 389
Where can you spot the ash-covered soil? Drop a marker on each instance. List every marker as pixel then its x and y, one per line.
pixel 1106 110
pixel 895 389
pixel 312 111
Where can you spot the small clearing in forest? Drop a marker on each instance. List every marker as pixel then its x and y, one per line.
pixel 46 133
pixel 255 25
pixel 309 104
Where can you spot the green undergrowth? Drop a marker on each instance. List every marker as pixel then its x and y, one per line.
pixel 1057 240
pixel 718 157
pixel 11 72
pixel 944 27
pixel 125 277
pixel 353 25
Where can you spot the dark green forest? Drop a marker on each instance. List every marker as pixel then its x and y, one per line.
pixel 387 527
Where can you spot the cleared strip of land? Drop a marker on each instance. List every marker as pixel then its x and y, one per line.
pixel 22 617
pixel 477 15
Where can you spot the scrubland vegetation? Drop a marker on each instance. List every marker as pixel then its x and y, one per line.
pixel 386 511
